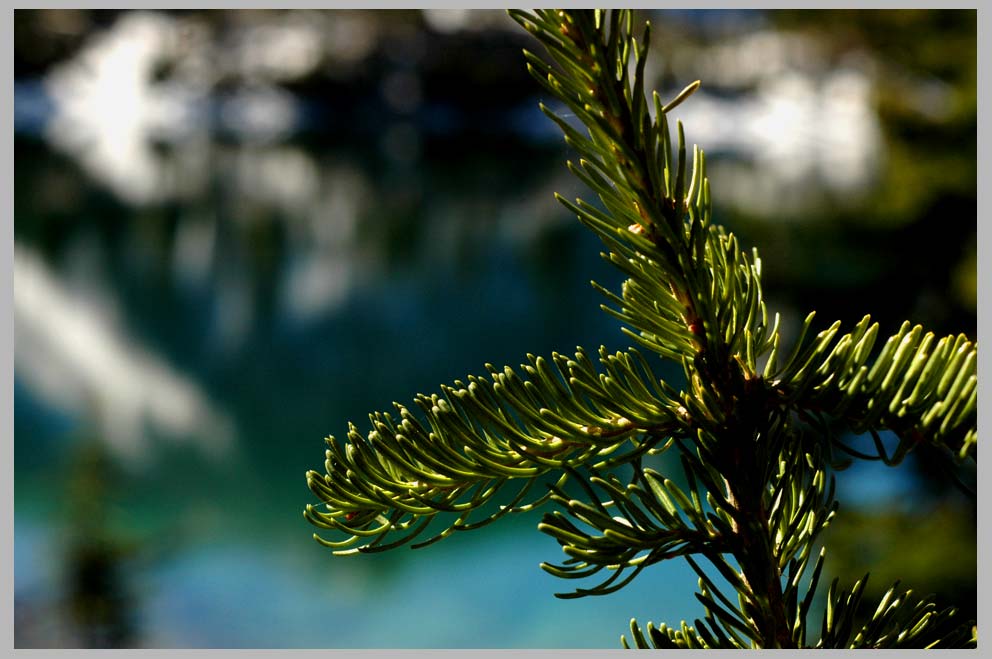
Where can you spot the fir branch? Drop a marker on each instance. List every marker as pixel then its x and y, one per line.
pixel 753 441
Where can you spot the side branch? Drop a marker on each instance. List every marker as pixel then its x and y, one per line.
pixel 921 388
pixel 480 436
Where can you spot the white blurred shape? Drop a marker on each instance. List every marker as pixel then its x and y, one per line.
pixel 110 108
pixel 193 253
pixel 71 355
pixel 281 51
pixel 851 137
pixel 452 20
pixel 797 130
pixel 234 312
pixel 328 260
pixel 333 221
pixel 315 285
pixel 107 108
pixel 931 98
pixel 349 37
pixel 262 113
pixel 447 20
pixel 279 175
pixel 751 58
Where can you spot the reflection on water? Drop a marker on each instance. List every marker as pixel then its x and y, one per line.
pixel 235 231
pixel 100 604
pixel 805 125
pixel 95 604
pixel 69 352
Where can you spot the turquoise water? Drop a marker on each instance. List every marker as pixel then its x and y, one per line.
pixel 217 552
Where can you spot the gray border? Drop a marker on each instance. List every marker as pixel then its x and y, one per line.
pixel 983 239
pixel 6 257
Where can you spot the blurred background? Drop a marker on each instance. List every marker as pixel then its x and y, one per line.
pixel 237 230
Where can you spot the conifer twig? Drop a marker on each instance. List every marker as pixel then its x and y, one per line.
pixel 754 443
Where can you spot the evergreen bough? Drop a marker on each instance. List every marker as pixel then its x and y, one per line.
pixel 754 428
